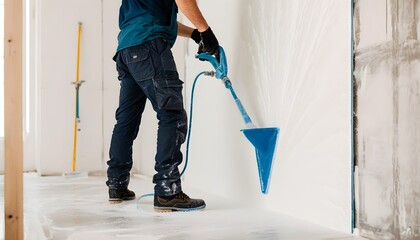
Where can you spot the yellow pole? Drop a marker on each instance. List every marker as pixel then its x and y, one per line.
pixel 79 33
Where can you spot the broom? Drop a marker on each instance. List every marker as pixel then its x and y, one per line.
pixel 77 85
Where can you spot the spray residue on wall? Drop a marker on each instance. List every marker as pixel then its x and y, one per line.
pixel 387 78
pixel 289 62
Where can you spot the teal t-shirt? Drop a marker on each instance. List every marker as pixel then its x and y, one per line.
pixel 144 20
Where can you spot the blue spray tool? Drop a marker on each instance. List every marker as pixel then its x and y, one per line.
pixel 263 139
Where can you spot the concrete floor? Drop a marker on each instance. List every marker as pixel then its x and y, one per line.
pixel 60 208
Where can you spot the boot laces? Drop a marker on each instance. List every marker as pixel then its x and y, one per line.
pixel 183 196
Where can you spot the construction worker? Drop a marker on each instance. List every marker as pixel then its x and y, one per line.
pixel 146 70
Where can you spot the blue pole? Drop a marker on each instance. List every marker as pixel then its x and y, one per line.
pixel 77 102
pixel 244 114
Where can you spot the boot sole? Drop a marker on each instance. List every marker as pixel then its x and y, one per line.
pixel 173 209
pixel 120 200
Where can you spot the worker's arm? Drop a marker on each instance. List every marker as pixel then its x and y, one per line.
pixel 190 9
pixel 184 31
pixel 209 43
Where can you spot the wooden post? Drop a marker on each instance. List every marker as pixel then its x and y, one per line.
pixel 13 180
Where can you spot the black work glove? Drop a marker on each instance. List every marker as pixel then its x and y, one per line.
pixel 196 36
pixel 209 43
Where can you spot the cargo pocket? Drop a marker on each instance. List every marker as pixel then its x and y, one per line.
pixel 140 64
pixel 169 94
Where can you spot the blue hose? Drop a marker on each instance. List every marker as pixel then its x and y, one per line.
pixel 187 150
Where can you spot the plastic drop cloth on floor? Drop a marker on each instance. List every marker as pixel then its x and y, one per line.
pixel 78 208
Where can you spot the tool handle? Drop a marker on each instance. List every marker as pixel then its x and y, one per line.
pixel 220 67
pixel 221 73
pixel 245 116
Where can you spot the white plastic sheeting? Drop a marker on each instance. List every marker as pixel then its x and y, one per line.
pixel 57 208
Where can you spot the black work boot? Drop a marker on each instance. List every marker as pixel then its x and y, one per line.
pixel 178 202
pixel 121 195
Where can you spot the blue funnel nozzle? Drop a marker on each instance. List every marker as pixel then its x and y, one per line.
pixel 264 141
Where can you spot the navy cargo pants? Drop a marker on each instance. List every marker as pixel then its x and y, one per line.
pixel 148 71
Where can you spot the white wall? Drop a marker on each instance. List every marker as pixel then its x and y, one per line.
pixel 290 63
pixel 57 48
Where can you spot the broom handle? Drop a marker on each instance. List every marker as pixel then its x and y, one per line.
pixel 76 117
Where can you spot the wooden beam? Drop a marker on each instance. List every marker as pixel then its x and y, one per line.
pixel 13 180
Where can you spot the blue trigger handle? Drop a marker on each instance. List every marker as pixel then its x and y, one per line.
pixel 219 66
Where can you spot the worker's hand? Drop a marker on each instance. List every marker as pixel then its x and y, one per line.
pixel 209 43
pixel 196 36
